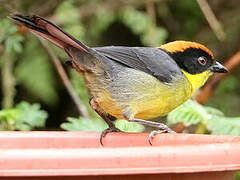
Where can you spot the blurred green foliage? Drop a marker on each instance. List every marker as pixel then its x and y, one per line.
pixel 140 23
pixel 126 126
pixel 23 117
pixel 228 90
pixel 97 124
pixel 37 74
pixel 83 124
pixel 8 36
pixel 207 119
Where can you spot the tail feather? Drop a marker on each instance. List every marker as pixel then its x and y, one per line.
pixel 50 31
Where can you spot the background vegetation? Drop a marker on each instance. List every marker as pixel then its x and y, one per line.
pixel 29 71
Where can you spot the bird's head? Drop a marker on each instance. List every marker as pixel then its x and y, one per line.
pixel 193 57
pixel 196 61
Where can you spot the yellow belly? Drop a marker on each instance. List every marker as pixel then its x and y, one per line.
pixel 145 96
pixel 162 99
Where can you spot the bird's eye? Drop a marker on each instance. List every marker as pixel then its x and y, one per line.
pixel 202 60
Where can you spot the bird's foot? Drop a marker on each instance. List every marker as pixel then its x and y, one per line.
pixel 106 131
pixel 162 129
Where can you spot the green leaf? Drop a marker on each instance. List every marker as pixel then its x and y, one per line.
pixel 213 111
pixel 193 113
pixel 8 36
pixel 13 43
pixel 189 113
pixel 126 126
pixel 224 125
pixel 83 124
pixel 7 29
pixel 98 125
pixel 8 118
pixel 30 116
pixel 23 117
pixel 9 45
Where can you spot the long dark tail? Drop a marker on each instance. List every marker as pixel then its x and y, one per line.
pixel 50 31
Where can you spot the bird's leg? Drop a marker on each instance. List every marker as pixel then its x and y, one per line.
pixel 106 117
pixel 162 128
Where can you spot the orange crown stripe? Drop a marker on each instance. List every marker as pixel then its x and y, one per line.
pixel 180 46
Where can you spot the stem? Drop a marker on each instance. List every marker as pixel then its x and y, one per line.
pixel 151 11
pixel 212 20
pixel 8 81
pixel 81 107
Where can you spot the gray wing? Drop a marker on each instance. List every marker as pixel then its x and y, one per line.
pixel 153 61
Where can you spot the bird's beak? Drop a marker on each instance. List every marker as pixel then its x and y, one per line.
pixel 218 68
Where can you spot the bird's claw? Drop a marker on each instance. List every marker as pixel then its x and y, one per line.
pixel 106 131
pixel 160 131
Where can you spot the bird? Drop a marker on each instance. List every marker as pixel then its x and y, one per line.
pixel 132 83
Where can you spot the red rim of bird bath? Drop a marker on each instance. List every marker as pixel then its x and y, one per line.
pixel 80 153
